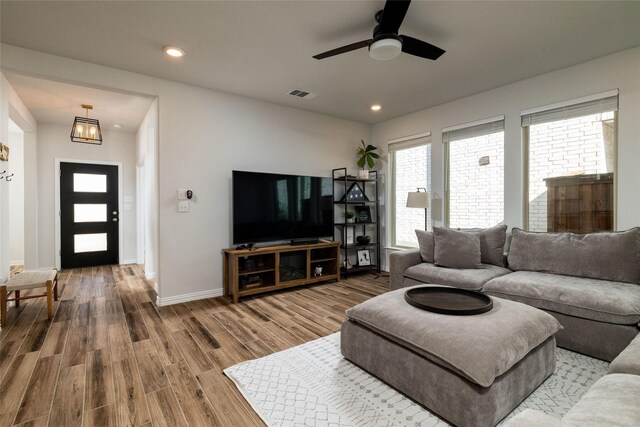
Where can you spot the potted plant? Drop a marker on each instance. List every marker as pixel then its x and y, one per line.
pixel 367 156
pixel 349 215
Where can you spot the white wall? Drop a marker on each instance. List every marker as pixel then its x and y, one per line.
pixel 621 71
pixel 203 135
pixel 16 196
pixel 54 142
pixel 12 107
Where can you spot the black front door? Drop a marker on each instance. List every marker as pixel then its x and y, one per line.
pixel 88 215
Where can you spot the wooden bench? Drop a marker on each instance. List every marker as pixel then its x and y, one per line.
pixel 29 280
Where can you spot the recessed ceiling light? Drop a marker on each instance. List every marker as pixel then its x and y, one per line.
pixel 117 125
pixel 376 107
pixel 174 51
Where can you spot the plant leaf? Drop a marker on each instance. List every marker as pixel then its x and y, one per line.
pixel 361 162
pixel 370 162
pixel 371 148
pixel 374 155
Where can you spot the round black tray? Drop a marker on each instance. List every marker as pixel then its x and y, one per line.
pixel 444 300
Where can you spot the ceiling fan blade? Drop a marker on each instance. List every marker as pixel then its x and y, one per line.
pixel 344 49
pixel 419 48
pixel 393 15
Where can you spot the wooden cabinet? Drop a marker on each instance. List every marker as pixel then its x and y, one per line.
pixel 580 204
pixel 250 272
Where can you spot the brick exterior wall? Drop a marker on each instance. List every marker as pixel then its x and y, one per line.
pixel 476 193
pixel 412 170
pixel 582 145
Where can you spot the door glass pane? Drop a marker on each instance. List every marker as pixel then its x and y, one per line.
pixel 89 183
pixel 90 242
pixel 89 213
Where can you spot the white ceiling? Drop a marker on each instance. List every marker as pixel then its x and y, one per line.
pixel 263 49
pixel 55 102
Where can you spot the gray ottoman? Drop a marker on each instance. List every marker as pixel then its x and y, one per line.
pixel 470 370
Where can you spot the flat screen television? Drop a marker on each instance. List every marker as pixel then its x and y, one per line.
pixel 270 207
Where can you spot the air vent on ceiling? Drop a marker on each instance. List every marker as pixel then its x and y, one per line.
pixel 299 93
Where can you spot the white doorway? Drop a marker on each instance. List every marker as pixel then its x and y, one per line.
pixel 14 176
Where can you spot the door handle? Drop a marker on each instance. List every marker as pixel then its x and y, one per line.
pixel 115 212
pixel 115 220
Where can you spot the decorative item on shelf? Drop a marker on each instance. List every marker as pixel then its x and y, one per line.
pixel 363 240
pixel 354 194
pixel 363 214
pixel 346 264
pixel 419 199
pixel 364 258
pixel 4 152
pixel 349 216
pixel 366 156
pixel 350 233
pixel 247 263
pixel 317 272
pixel 86 130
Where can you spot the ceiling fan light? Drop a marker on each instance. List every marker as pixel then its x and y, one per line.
pixel 385 49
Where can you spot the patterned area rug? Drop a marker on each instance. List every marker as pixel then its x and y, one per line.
pixel 312 385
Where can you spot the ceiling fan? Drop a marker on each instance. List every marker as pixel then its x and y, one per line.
pixel 386 43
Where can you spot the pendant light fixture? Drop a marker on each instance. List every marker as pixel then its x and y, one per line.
pixel 86 130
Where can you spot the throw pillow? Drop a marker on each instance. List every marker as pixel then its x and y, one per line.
pixel 456 249
pixel 492 241
pixel 426 244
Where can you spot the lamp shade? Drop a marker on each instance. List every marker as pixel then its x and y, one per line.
pixel 418 199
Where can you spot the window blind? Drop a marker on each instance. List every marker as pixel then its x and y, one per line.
pixel 596 106
pixel 409 142
pixel 455 134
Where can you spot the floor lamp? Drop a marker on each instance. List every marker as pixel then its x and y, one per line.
pixel 419 199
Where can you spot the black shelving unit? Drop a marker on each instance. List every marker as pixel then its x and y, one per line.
pixel 342 181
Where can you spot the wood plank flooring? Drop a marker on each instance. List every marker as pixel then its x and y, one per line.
pixel 110 357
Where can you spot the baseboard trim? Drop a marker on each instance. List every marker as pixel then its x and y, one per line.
pixel 160 302
pixel 150 275
pixel 129 261
pixel 18 262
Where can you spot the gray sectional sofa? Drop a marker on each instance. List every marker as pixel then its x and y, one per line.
pixel 590 283
pixel 611 401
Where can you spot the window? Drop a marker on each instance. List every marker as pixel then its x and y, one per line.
pixel 571 161
pixel 410 168
pixel 475 174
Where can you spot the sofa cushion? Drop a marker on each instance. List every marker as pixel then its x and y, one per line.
pixel 492 244
pixel 627 362
pixel 606 256
pixel 600 300
pixel 456 249
pixel 426 244
pixel 500 338
pixel 473 278
pixel 612 401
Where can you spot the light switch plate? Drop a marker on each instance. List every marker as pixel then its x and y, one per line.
pixel 183 206
pixel 182 194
